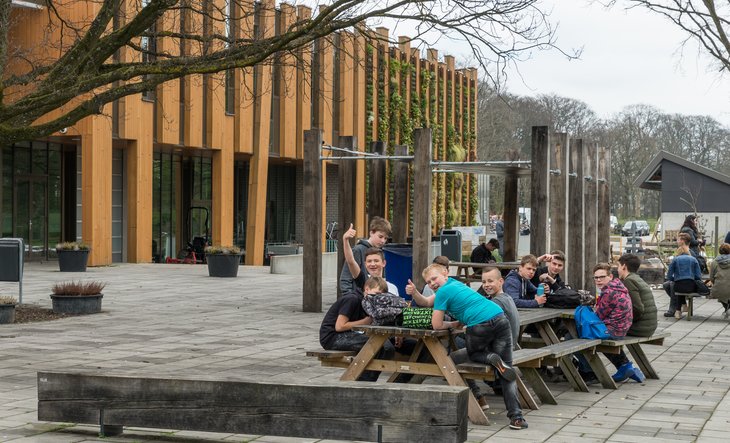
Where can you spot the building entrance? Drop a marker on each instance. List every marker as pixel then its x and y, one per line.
pixel 30 218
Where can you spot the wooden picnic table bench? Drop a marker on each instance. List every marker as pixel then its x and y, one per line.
pixel 632 343
pixel 318 410
pixel 463 274
pixel 689 296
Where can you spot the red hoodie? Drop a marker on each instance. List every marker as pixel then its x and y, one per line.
pixel 614 308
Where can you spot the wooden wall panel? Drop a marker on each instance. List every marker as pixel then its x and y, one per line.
pixel 168 93
pixel 96 187
pixel 287 92
pixel 259 167
pixel 244 94
pixel 304 82
pixel 360 126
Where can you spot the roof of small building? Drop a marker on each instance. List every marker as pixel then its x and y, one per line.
pixel 651 176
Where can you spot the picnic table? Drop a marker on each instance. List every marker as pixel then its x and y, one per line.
pixel 632 343
pixel 463 274
pixel 428 339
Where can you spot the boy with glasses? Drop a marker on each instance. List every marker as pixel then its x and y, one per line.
pixel 613 307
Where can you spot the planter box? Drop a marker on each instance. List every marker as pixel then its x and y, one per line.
pixel 223 265
pixel 7 313
pixel 76 304
pixel 72 261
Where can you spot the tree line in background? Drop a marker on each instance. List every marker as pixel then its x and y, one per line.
pixel 634 136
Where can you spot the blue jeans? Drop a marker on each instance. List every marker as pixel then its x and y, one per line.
pixel 494 337
pixel 354 341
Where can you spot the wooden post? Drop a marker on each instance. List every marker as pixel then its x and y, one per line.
pixel 558 191
pixel 422 203
pixel 312 254
pixel 574 265
pixel 603 236
pixel 400 197
pixel 346 202
pixel 511 225
pixel 590 208
pixel 376 191
pixel 540 194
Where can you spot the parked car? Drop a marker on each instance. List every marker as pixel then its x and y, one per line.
pixel 642 227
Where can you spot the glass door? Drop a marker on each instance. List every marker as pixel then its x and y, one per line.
pixel 30 216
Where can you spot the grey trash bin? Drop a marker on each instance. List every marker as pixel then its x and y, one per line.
pixel 451 244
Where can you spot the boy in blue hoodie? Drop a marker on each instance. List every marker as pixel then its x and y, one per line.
pixel 517 284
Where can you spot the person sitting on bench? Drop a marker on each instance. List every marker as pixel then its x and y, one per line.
pixel 483 254
pixel 488 332
pixel 517 284
pixel 681 275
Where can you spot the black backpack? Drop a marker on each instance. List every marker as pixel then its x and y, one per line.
pixel 563 298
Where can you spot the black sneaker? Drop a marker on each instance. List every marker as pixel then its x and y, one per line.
pixel 506 371
pixel 669 314
pixel 518 423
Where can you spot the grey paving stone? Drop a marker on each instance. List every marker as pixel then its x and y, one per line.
pixel 252 327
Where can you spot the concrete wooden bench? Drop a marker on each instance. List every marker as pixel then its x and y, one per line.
pixel 329 410
pixel 633 344
pixel 689 296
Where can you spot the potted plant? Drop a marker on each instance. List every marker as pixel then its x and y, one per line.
pixel 7 309
pixel 223 261
pixel 72 256
pixel 82 297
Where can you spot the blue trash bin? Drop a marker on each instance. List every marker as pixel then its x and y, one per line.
pixel 399 265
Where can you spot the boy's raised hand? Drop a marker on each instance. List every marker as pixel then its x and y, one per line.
pixel 350 233
pixel 410 287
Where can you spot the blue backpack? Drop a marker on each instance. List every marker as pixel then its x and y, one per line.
pixel 589 325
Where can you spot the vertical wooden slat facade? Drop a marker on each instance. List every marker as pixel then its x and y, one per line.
pixel 189 117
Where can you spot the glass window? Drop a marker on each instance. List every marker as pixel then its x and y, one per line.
pixel 7 192
pixel 40 162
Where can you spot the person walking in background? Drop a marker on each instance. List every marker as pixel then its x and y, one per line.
pixel 720 278
pixel 683 271
pixel 499 229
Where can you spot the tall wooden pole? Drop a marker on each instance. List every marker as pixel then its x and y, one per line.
pixel 574 264
pixel 511 195
pixel 400 196
pixel 540 195
pixel 376 183
pixel 346 203
pixel 604 206
pixel 312 256
pixel 421 202
pixel 558 191
pixel 590 209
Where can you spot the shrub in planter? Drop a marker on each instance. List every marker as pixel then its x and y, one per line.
pixel 72 256
pixel 7 309
pixel 82 297
pixel 223 261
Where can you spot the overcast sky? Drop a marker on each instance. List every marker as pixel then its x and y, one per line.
pixel 629 57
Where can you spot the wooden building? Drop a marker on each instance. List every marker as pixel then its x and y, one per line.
pixel 132 182
pixel 688 188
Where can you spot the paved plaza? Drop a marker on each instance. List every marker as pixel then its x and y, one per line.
pixel 174 319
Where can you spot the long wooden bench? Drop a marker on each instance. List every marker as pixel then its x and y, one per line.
pixel 528 360
pixel 326 410
pixel 633 344
pixel 690 297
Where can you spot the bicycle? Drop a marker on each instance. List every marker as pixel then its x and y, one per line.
pixel 331 230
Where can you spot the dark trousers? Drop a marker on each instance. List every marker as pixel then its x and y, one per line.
pixel 494 337
pixel 354 341
pixel 671 287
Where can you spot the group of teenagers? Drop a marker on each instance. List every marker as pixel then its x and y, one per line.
pixel 489 315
